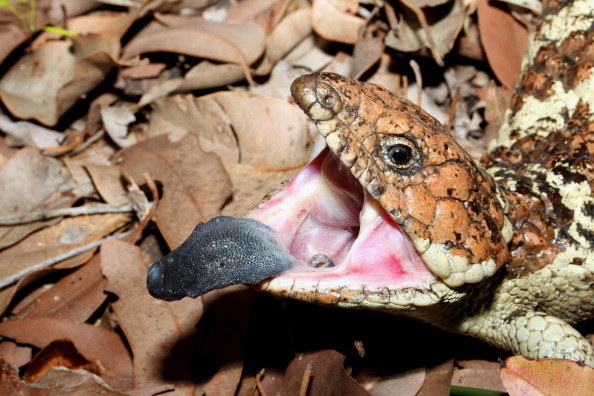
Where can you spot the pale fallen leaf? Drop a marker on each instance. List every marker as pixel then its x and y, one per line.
pixel 522 376
pixel 105 21
pixel 195 184
pixel 116 120
pixel 233 43
pixel 37 183
pixel 367 52
pixel 108 182
pixel 23 133
pixel 445 22
pixel 504 41
pixel 154 329
pixel 148 70
pixel 333 22
pixel 248 10
pixel 290 31
pixel 95 343
pixel 47 82
pixel 15 354
pixel 478 374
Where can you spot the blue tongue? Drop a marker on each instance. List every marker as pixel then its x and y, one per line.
pixel 221 252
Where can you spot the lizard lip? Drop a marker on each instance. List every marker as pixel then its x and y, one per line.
pixel 325 210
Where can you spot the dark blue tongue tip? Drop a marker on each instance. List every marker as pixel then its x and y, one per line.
pixel 224 251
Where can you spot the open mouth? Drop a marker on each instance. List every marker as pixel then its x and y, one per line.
pixel 350 252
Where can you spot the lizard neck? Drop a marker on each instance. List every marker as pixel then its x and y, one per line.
pixel 542 159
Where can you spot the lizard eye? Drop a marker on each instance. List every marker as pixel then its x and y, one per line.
pixel 400 155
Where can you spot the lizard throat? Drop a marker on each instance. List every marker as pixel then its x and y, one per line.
pixel 325 211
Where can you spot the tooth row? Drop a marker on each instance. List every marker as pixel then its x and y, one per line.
pixel 359 297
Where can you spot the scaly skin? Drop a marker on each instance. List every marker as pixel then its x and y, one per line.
pixel 512 247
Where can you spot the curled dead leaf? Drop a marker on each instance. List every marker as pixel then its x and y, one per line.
pixel 45 83
pixel 335 22
pixel 233 43
pixel 195 184
pixel 95 343
pixel 444 23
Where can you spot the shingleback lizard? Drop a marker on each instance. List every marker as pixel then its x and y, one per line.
pixel 396 216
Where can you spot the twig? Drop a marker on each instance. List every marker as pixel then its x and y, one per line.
pixel 76 211
pixel 305 380
pixel 419 77
pixel 56 259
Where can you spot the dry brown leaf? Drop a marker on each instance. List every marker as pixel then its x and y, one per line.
pixel 37 183
pixel 11 32
pixel 233 43
pixel 156 330
pixel 290 31
pixel 438 379
pixel 95 343
pixel 148 70
pixel 101 22
pixel 59 353
pixel 24 133
pixel 195 184
pixel 116 119
pixel 321 373
pixel 76 296
pixel 48 81
pixel 52 241
pixel 249 10
pixel 10 383
pixel 333 22
pixel 15 354
pixel 478 374
pixel 61 380
pixel 504 41
pixel 367 52
pixel 445 22
pixel 497 99
pixel 257 152
pixel 225 381
pixel 108 182
pixel 523 376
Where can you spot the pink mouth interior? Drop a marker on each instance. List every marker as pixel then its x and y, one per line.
pixel 325 210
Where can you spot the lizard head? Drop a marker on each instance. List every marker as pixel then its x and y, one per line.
pixel 395 210
pixel 393 214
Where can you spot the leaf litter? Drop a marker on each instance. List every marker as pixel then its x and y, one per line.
pixel 174 112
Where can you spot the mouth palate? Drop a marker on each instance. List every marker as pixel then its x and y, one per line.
pixel 339 234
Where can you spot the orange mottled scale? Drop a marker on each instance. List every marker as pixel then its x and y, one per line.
pixel 509 242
